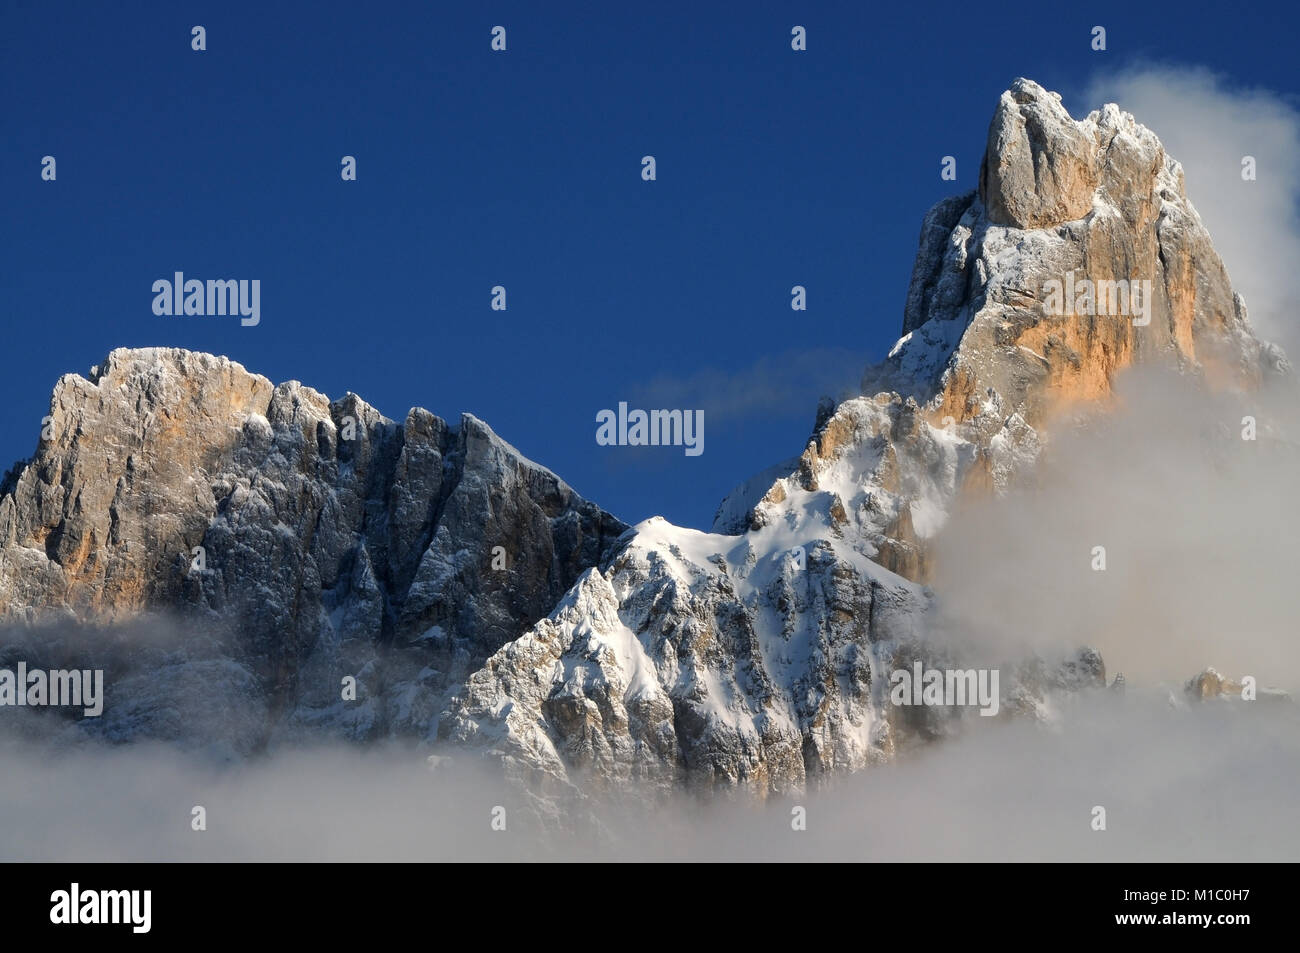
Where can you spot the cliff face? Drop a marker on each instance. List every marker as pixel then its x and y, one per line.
pixel 1021 307
pixel 481 604
pixel 334 541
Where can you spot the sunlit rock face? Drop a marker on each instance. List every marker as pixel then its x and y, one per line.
pixel 1079 256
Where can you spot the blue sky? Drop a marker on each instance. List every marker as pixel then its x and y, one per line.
pixel 522 169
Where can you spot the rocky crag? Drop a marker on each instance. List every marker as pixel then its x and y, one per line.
pixel 298 539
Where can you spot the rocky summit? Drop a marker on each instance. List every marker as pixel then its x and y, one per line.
pixel 293 542
pixel 304 539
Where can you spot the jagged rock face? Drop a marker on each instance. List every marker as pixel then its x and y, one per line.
pixel 1040 168
pixel 100 519
pixel 725 664
pixel 990 357
pixel 714 661
pixel 1098 198
pixel 329 532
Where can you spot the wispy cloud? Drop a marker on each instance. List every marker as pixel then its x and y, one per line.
pixel 787 384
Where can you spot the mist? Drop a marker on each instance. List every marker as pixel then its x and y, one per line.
pixel 1199 529
pixel 1202 782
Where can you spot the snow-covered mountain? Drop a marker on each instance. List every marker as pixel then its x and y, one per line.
pixel 483 606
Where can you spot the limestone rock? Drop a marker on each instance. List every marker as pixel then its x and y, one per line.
pixel 1040 167
pixel 1210 684
pixel 335 541
pixel 993 357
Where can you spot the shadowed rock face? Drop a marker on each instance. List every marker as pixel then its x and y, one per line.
pixel 328 531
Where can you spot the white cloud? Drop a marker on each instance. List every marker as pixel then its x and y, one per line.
pixel 1199 526
pixel 1201 782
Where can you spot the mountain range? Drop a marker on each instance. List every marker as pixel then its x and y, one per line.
pixel 232 552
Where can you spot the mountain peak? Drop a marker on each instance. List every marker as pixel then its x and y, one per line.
pixel 1042 168
pixel 1078 257
pixel 1093 206
pixel 302 529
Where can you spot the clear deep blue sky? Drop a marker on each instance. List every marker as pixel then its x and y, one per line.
pixel 522 169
